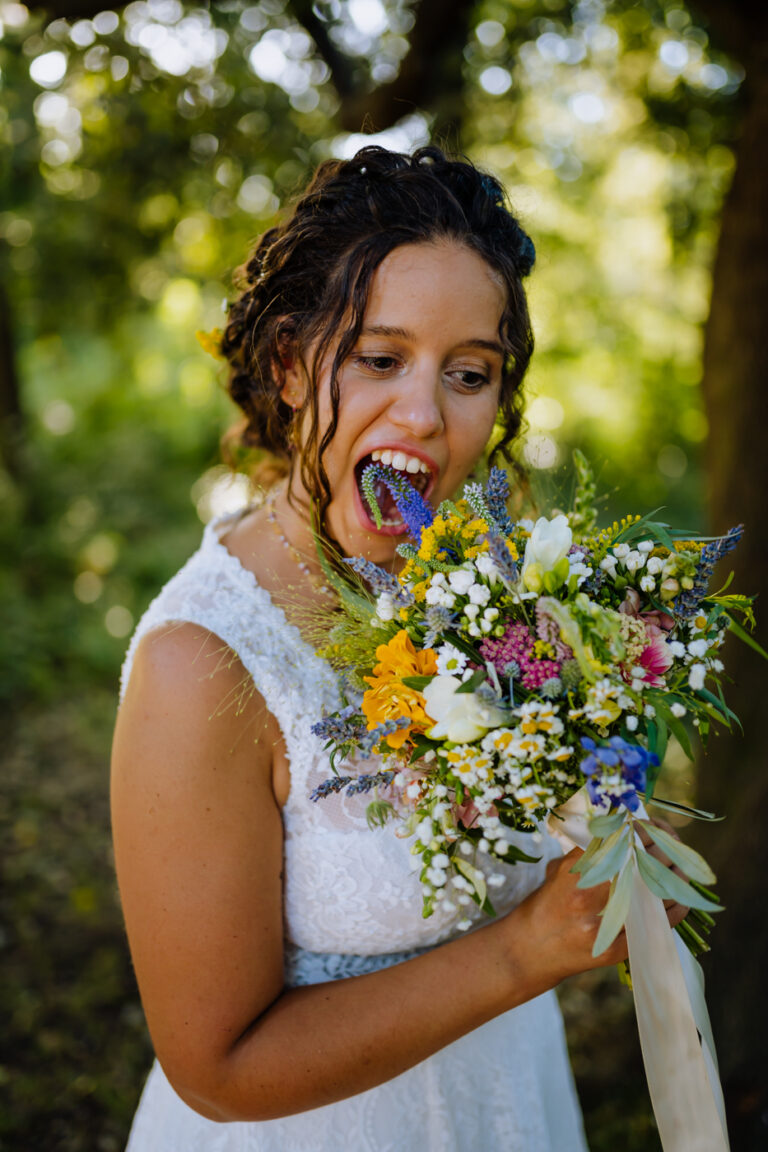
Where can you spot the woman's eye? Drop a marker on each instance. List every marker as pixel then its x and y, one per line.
pixel 377 364
pixel 470 379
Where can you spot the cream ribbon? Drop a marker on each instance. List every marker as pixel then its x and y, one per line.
pixel 668 987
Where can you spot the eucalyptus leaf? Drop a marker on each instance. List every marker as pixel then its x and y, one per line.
pixel 614 915
pixel 685 810
pixel 607 861
pixel 587 855
pixel 687 860
pixel 603 826
pixel 664 883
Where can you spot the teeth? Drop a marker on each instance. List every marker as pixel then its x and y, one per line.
pixel 400 461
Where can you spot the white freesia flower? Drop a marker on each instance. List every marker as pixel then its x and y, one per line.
pixel 548 543
pixel 461 580
pixel 486 567
pixel 479 594
pixel 459 716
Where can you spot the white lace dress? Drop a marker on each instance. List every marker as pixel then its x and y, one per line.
pixel 352 903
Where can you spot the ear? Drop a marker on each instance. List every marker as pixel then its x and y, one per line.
pixel 288 369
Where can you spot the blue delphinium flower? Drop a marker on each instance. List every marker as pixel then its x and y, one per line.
pixel 417 514
pixel 496 497
pixel 687 602
pixel 379 580
pixel 616 771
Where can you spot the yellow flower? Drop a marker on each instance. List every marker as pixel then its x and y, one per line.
pixel 388 698
pixel 210 342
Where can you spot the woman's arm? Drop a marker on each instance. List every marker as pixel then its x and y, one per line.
pixel 198 847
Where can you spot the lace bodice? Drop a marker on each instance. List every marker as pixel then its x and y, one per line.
pixel 348 888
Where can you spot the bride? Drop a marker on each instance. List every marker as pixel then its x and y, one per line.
pixel 296 998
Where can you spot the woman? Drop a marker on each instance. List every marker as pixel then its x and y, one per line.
pixel 387 314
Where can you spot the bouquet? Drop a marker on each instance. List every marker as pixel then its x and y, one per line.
pixel 509 666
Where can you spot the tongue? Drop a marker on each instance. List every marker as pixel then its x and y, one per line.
pixel 386 503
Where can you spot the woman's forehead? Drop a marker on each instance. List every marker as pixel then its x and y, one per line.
pixel 426 281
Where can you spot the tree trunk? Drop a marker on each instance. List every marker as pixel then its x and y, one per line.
pixel 734 775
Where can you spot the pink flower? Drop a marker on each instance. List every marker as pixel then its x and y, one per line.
pixel 656 622
pixel 656 659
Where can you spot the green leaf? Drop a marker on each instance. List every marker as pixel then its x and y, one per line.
pixel 603 826
pixel 614 915
pixel 725 713
pixel 607 861
pixel 745 636
pixel 587 855
pixel 659 746
pixel 685 810
pixel 417 682
pixel 664 883
pixel 475 680
pixel 687 860
pixel 475 877
pixel 378 813
pixel 680 733
pixel 517 855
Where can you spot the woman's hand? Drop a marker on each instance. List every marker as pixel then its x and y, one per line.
pixel 560 922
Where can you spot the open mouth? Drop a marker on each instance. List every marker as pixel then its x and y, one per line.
pixel 416 471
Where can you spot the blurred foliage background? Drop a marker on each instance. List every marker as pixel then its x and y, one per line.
pixel 143 149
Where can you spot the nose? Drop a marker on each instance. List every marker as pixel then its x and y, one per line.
pixel 418 406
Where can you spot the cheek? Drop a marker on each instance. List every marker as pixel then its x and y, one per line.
pixel 471 432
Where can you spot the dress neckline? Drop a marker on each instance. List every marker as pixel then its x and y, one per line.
pixel 212 537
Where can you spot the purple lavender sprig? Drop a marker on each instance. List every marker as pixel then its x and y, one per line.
pixel 341 727
pixel 496 497
pixel 417 514
pixel 353 785
pixel 687 602
pixel 379 580
pixel 499 553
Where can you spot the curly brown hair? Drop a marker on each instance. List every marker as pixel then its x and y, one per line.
pixel 307 282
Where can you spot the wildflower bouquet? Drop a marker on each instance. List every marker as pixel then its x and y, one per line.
pixel 508 666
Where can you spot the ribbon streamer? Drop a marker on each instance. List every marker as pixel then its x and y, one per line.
pixel 672 1018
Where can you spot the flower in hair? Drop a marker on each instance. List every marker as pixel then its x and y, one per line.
pixel 211 342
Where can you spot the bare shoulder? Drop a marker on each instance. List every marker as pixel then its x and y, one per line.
pixel 198 846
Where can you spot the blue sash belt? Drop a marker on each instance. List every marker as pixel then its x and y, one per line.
pixel 303 967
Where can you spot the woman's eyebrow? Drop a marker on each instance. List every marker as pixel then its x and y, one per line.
pixel 404 334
